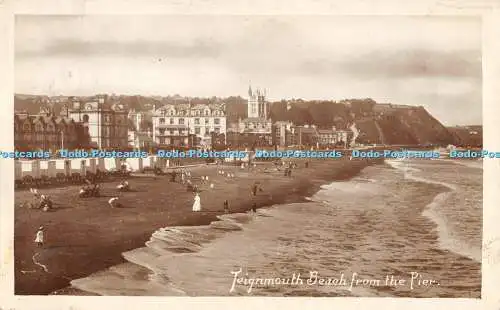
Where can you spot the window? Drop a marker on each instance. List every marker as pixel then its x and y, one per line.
pixel 217 130
pixel 162 120
pixel 171 121
pixel 85 118
pixel 207 121
pixel 216 121
pixel 162 140
pixel 196 121
pixel 172 132
pixel 197 130
pixel 207 112
pixel 181 121
pixel 162 131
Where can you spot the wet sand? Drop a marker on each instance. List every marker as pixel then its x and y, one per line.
pixel 86 235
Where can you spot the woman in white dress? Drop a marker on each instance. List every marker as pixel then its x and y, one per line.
pixel 39 237
pixel 197 203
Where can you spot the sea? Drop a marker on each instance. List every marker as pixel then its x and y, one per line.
pixel 405 228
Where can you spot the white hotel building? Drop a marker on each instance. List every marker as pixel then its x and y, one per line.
pixel 174 123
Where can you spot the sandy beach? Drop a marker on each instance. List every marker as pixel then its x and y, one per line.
pixel 86 235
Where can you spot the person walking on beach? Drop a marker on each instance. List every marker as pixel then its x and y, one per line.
pixel 254 189
pixel 254 208
pixel 39 237
pixel 226 206
pixel 197 203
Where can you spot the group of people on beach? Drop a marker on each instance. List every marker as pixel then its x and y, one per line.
pixel 186 179
pixel 226 174
pixel 114 202
pixel 205 180
pixel 92 189
pixel 184 175
pixel 255 188
pixel 290 166
pixel 197 199
pixel 43 202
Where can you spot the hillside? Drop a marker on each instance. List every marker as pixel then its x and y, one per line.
pixel 377 123
pixel 471 136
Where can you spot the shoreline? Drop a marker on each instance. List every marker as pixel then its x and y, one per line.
pixel 110 233
pixel 153 259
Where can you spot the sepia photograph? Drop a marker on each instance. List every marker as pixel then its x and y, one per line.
pixel 248 155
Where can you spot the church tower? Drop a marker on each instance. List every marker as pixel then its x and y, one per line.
pixel 252 103
pixel 257 104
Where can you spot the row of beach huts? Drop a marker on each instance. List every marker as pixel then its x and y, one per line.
pixel 52 168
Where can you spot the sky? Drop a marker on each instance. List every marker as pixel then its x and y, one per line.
pixel 430 61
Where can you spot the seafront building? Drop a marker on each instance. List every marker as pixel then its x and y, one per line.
pixel 48 132
pixel 107 122
pixel 283 134
pixel 140 133
pixel 286 134
pixel 102 122
pixel 306 135
pixel 186 125
pixel 332 137
pixel 138 140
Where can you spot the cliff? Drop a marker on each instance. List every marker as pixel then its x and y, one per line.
pixel 377 123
